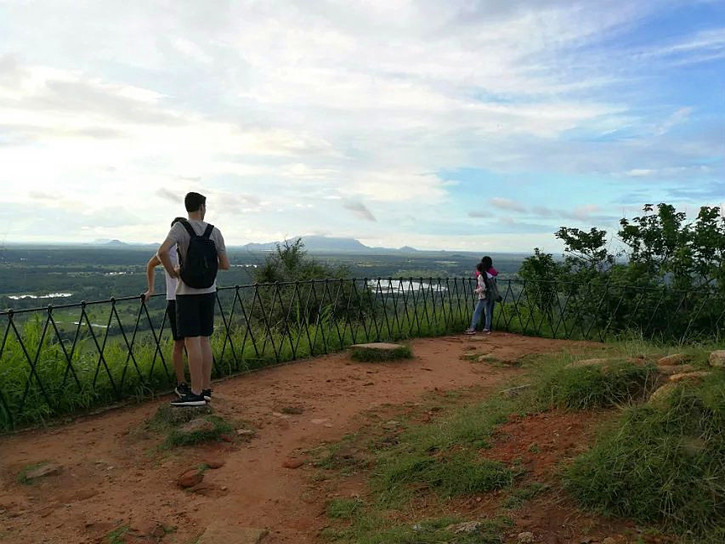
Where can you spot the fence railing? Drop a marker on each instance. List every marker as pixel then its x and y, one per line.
pixel 66 359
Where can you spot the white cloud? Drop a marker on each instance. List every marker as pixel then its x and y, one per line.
pixel 275 110
pixel 507 205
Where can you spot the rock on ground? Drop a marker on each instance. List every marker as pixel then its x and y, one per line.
pixel 173 415
pixel 47 469
pixel 689 376
pixel 223 533
pixel 669 370
pixel 717 359
pixel 190 478
pixel 674 359
pixel 198 425
pixel 663 393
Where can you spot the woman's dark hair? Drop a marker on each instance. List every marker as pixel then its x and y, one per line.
pixel 487 262
pixel 480 268
pixel 176 220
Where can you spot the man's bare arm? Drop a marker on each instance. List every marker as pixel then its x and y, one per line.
pixel 223 261
pixel 150 267
pixel 165 258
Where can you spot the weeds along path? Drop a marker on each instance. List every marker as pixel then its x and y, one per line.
pixel 114 484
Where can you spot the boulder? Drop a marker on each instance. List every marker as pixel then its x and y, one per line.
pixel 717 359
pixel 663 394
pixel 690 376
pixel 669 370
pixel 674 359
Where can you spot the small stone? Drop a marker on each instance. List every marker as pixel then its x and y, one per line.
pixel 514 391
pixel 47 469
pixel 609 540
pixel 214 463
pixel 318 421
pixel 588 362
pixel 690 376
pixel 391 423
pixel 674 359
pixel 156 531
pixel 717 359
pixel 245 432
pixel 190 478
pixel 198 425
pixel 466 527
pixel 224 533
pixel 525 538
pixel 292 463
pixel 378 345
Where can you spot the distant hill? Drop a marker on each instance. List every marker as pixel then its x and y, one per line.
pixel 329 244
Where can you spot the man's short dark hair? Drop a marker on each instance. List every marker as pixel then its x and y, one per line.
pixel 194 201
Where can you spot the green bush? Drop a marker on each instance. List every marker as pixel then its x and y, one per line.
pixel 581 388
pixel 664 465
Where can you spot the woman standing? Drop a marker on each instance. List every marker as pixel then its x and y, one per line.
pixel 489 274
pixel 481 304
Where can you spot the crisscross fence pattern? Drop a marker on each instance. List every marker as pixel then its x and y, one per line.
pixel 67 359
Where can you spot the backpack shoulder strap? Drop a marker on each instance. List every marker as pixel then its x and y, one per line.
pixel 188 228
pixel 207 232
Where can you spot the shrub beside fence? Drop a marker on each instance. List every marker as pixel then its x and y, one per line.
pixel 67 359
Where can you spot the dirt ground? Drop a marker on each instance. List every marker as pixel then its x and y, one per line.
pixel 113 475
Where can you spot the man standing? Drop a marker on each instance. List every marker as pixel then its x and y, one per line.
pixel 182 388
pixel 201 251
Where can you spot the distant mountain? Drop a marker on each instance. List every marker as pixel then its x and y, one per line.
pixel 107 242
pixel 329 244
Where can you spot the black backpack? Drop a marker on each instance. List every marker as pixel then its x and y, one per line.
pixel 200 267
pixel 492 291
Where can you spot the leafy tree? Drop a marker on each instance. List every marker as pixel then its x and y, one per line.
pixel 304 290
pixel 541 273
pixel 291 262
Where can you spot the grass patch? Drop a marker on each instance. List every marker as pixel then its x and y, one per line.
pixel 343 508
pixel 518 497
pixel 117 536
pixel 449 475
pixel 376 355
pixel 212 432
pixel 662 465
pixel 587 387
pixel 372 529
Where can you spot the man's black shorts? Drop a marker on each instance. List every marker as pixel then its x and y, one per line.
pixel 171 312
pixel 195 315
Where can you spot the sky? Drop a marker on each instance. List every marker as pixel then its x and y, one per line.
pixel 458 124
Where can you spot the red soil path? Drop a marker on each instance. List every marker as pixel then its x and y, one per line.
pixel 113 476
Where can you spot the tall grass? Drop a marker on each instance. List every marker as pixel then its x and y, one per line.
pixel 662 464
